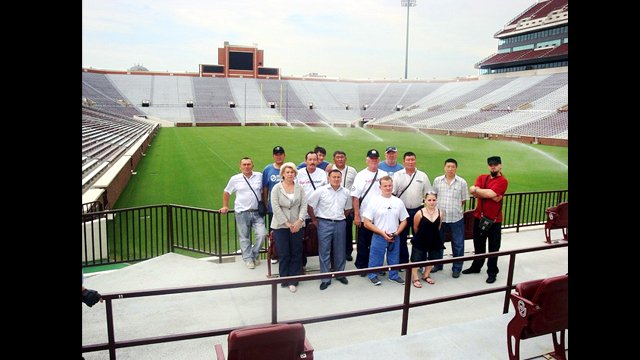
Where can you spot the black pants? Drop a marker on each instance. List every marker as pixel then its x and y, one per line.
pixel 404 249
pixel 349 237
pixel 363 245
pixel 494 234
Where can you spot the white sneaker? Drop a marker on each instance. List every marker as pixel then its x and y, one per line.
pixel 274 261
pixel 250 265
pixel 256 261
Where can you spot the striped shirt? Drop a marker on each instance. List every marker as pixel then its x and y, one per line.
pixel 451 196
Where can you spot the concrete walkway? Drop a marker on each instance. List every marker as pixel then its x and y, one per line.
pixel 462 329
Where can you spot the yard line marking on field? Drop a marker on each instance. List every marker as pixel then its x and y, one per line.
pixel 216 154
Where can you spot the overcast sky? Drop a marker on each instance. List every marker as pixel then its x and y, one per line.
pixel 354 39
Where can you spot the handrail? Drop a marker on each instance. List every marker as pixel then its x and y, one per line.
pixel 142 232
pixel 406 304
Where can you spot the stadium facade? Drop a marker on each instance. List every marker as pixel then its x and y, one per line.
pixel 538 38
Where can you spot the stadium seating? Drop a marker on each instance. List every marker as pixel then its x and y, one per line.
pixel 102 92
pixel 211 98
pixel 542 307
pixel 557 218
pixel 513 106
pixel 267 342
pixel 105 137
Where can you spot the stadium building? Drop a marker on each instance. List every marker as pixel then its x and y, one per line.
pixel 520 94
pixel 538 38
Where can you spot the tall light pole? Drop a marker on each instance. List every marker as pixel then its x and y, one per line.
pixel 408 4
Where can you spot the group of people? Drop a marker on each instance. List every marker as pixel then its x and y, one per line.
pixel 386 201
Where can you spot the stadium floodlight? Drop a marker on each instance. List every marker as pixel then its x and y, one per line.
pixel 408 4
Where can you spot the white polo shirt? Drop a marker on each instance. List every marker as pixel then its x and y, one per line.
pixel 348 175
pixel 413 196
pixel 361 184
pixel 319 178
pixel 386 213
pixel 245 200
pixel 330 204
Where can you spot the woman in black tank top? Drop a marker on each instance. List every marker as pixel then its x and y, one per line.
pixel 426 227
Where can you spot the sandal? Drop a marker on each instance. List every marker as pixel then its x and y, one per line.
pixel 429 280
pixel 417 283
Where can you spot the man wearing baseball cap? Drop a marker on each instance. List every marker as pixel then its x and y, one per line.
pixel 270 177
pixel 489 190
pixel 365 187
pixel 390 164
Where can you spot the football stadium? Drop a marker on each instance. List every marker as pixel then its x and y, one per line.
pixel 179 264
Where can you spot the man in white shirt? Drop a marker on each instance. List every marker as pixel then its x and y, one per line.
pixel 365 187
pixel 410 185
pixel 248 186
pixel 310 178
pixel 327 207
pixel 385 217
pixel 348 175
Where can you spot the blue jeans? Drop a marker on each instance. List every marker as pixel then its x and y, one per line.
pixel 457 241
pixel 331 238
pixel 289 248
pixel 245 220
pixel 376 255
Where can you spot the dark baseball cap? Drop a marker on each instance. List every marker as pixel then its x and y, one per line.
pixel 373 153
pixel 278 150
pixel 494 160
pixel 391 148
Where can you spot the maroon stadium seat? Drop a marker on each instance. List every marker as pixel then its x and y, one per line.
pixel 468 226
pixel 557 218
pixel 542 307
pixel 267 342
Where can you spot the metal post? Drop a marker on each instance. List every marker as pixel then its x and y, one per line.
pixel 408 4
pixel 245 103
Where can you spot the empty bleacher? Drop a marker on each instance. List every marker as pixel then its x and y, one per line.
pixel 553 125
pixel 105 137
pixel 169 98
pixel 519 106
pixel 498 105
pixel 211 101
pixel 251 105
pixel 452 100
pixel 293 109
pixel 330 99
pixel 98 88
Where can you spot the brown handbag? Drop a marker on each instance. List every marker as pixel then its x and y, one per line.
pixel 310 240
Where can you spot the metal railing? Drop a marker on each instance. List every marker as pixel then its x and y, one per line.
pixel 112 344
pixel 141 233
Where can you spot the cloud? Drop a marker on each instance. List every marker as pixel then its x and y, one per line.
pixel 350 39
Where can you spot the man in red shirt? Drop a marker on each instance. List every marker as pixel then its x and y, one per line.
pixel 489 190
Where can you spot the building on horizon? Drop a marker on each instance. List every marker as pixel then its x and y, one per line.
pixel 537 38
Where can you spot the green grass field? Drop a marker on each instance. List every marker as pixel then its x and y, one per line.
pixel 191 166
